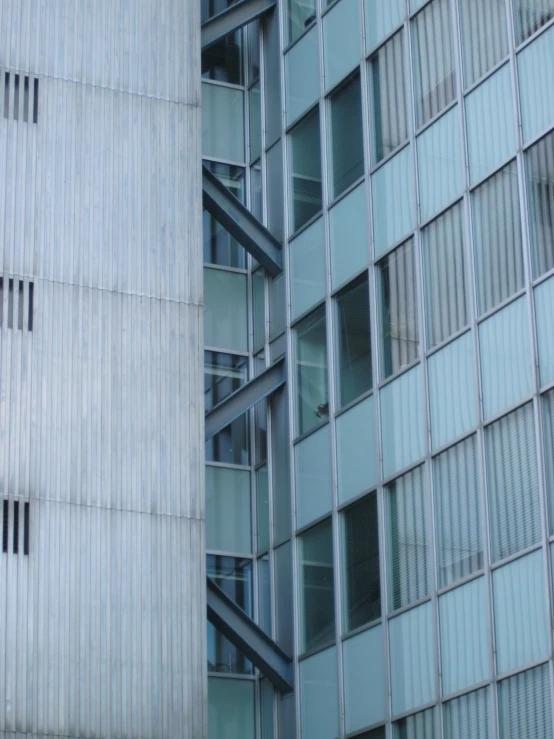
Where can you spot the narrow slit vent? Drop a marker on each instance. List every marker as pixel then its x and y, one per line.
pixel 26 514
pixel 16 527
pixel 17 104
pixel 5 521
pixel 18 313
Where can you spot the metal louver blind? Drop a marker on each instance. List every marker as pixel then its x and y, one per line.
pixel 548 421
pixel 456 483
pixel 408 539
pixel 530 15
pixel 347 136
pixel 468 717
pixel 361 534
pixel 419 726
pixel 524 705
pixel 445 276
pixel 318 586
pixel 434 72
pixel 497 233
pixel 540 186
pixel 388 96
pixel 484 36
pixel 513 483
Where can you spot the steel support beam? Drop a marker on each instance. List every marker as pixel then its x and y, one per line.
pixel 233 18
pixel 247 636
pixel 240 223
pixel 245 397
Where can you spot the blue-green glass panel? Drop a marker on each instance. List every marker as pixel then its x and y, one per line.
pixel 402 422
pixel 231 709
pixel 349 255
pixel 313 476
pixel 393 201
pixel 319 709
pixel 223 122
pixel 452 391
pixel 302 75
pixel 381 18
pixel 544 310
pixel 341 41
pixel 364 679
pixel 356 449
pixel 491 131
pixel 307 268
pixel 536 85
pixel 440 164
pixel 225 310
pixel 506 365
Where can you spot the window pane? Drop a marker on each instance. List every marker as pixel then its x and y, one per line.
pixel 264 594
pixel 491 133
pixel 306 170
pixel 380 19
pixel 402 422
pixel 347 144
pixel 356 449
pixel 497 237
pixel 281 472
pixel 228 510
pixel 262 496
pixel 548 425
pixel 464 636
pixel 393 201
pixel 223 122
pixel 512 474
pixel 445 276
pixel 361 564
pixel 458 512
pixel 540 190
pixel 412 668
pixel 266 701
pixel 258 299
pixel 311 371
pixel 274 179
pixel 536 84
pixel 318 590
pixel 223 374
pixel 319 696
pixel 219 247
pixel 418 726
pixel 544 309
pixel 307 267
pixel 349 216
pixel 302 89
pixel 452 397
pixel 408 539
pixel 277 307
pixel 468 717
pixel 530 15
pixel 364 668
pixel 255 121
pixel 434 71
pixel 283 597
pixel 440 164
pixel 225 313
pixel 301 14
pixel 520 612
pixel 341 44
pixel 399 322
pixel 272 75
pixel 231 708
pixel 313 476
pixel 506 370
pixel 524 705
pixel 223 61
pixel 388 98
pixel 354 348
pixel 484 37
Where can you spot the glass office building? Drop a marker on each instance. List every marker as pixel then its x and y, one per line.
pixel 388 518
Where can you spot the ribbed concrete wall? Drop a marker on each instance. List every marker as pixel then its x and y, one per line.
pixel 101 419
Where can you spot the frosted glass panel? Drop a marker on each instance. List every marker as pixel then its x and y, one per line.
pixel 231 709
pixel 349 236
pixel 412 658
pixel 484 36
pixel 544 310
pixel 341 41
pixel 539 161
pixel 520 612
pixel 393 201
pixel 307 266
pixel 225 314
pixel 222 122
pixel 302 88
pixel 364 679
pixel 548 426
pixel 228 510
pixel 464 636
pixel 417 726
pixel 491 130
pixel 468 717
pixel 319 696
pixel 536 85
pixel 506 370
pixel 440 164
pixel 524 705
pixel 313 476
pixel 356 449
pixel 452 391
pixel 402 421
pixel 380 19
